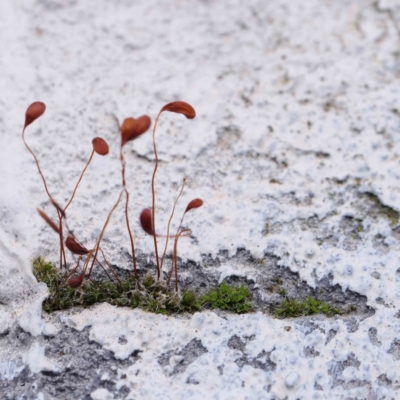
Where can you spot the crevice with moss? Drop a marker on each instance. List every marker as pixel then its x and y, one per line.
pixel 148 294
pixel 155 296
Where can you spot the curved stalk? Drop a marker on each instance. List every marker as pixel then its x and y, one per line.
pixel 183 232
pixel 79 181
pixel 62 252
pixel 123 163
pixel 169 222
pixel 153 194
pixel 96 248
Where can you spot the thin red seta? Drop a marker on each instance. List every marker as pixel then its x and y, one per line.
pixel 96 247
pixel 189 112
pixel 169 222
pixel 195 203
pixel 131 129
pixel 33 112
pixel 100 147
pixel 183 232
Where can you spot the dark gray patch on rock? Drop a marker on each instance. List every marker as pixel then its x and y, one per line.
pixel 190 353
pixel 376 275
pixel 383 380
pixel 348 226
pixel 310 352
pixel 352 384
pixel 373 336
pixel 331 334
pixel 4 332
pixel 352 324
pixel 122 340
pixel 57 5
pixel 82 364
pixel 336 370
pixel 261 361
pixel 311 325
pixel 317 386
pixel 382 302
pixel 267 283
pixel 191 380
pixel 236 343
pixel 337 367
pixel 379 244
pixel 395 349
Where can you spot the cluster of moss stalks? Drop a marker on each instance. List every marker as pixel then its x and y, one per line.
pixel 306 307
pixel 155 296
pixel 148 294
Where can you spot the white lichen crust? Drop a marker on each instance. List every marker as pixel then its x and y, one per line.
pixel 294 150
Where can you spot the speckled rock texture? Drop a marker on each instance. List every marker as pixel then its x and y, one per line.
pixel 295 152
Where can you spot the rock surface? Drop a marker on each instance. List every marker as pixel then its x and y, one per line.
pixel 294 150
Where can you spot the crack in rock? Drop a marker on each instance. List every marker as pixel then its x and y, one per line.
pixel 395 349
pixel 261 361
pixel 184 357
pixel 84 367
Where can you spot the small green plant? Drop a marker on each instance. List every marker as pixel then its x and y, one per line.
pixel 391 214
pixel 130 130
pixel 352 308
pixel 150 294
pixel 282 292
pixel 308 306
pixel 61 296
pixel 234 299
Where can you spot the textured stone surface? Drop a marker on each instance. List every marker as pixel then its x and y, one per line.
pixel 295 152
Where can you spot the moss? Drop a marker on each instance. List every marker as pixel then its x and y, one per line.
pixel 59 299
pixel 276 286
pixel 282 291
pixel 155 296
pixel 234 299
pixel 149 294
pixel 277 281
pixel 352 308
pixel 391 214
pixel 308 306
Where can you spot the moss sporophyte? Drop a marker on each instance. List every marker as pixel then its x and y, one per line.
pixel 72 284
pixel 130 130
pixel 149 294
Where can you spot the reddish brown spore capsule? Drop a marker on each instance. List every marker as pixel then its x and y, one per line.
pixel 196 203
pixel 132 128
pixel 76 282
pixel 34 111
pixel 180 107
pixel 126 130
pixel 48 220
pixel 141 126
pixel 100 146
pixel 146 221
pixel 74 247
